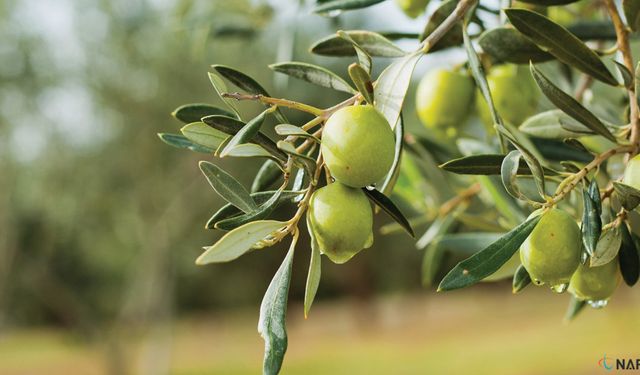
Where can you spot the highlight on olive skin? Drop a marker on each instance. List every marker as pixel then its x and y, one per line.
pixel 444 99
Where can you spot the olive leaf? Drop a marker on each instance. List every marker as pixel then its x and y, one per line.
pixel 248 84
pixel 372 43
pixel 273 312
pixel 631 10
pixel 267 175
pixel 262 212
pixel 488 260
pixel 180 141
pixel 559 42
pixel 628 257
pixel 591 221
pixel 249 150
pixel 303 160
pixel 220 87
pixel 500 199
pixel 509 172
pixel 468 243
pixel 240 240
pixel 362 80
pixel 299 181
pixel 313 74
pixel 432 260
pixel 548 2
pixel 392 85
pixel 607 247
pixel 453 37
pixel 342 5
pixel 629 196
pixel 394 172
pixel 313 276
pixel 204 135
pixel 246 133
pixel 506 44
pixel 569 105
pixel 574 308
pixel 195 112
pixel 390 208
pixel 228 187
pixel 231 211
pixel 363 57
pixel 627 76
pixel 288 129
pixel 484 164
pixel 521 279
pixel 437 228
pixel 553 124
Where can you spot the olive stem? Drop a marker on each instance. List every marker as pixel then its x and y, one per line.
pixel 461 197
pixel 275 101
pixel 458 14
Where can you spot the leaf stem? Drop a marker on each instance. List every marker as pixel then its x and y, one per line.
pixel 275 101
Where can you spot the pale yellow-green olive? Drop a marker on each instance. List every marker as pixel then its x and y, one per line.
pixel 412 8
pixel 632 173
pixel 358 145
pixel 342 221
pixel 595 283
pixel 552 251
pixel 444 99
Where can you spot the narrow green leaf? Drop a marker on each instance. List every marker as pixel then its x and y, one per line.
pixel 362 80
pixel 628 257
pixel 437 228
pixel 293 130
pixel 394 172
pixel 246 133
pixel 591 222
pixel 468 243
pixel 262 212
pixel 432 260
pixel 607 247
pixel 559 42
pixel 180 141
pixel 453 37
pixel 246 83
pixel 232 126
pixel 313 276
pixel 220 87
pixel 229 210
pixel 392 85
pixel 534 164
pixel 204 135
pixel 342 5
pixel 629 196
pixel 553 124
pixel 363 57
pixel 509 172
pixel 372 43
pixel 627 77
pixel 267 175
pixel 249 150
pixel 569 105
pixel 632 13
pixel 548 2
pixel 390 208
pixel 299 182
pixel 484 164
pixel 300 159
pixel 195 112
pixel 240 240
pixel 489 260
pixel 521 279
pixel 497 197
pixel 575 307
pixel 273 311
pixel 506 44
pixel 228 187
pixel 313 74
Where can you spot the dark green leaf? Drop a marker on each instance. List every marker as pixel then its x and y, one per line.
pixel 521 279
pixel 559 42
pixel 506 44
pixel 342 5
pixel 593 30
pixel 390 208
pixel 627 77
pixel 245 134
pixel 489 260
pixel 392 85
pixel 632 13
pixel 195 112
pixel 485 164
pixel 569 105
pixel 228 187
pixel 313 276
pixel 204 135
pixel 230 211
pixel 232 126
pixel 373 43
pixel 629 196
pixel 575 306
pixel 267 175
pixel 362 80
pixel 628 257
pixel 262 212
pixel 273 311
pixel 245 83
pixel 313 74
pixel 591 222
pixel 180 141
pixel 453 37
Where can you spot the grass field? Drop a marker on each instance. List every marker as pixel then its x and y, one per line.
pixel 484 330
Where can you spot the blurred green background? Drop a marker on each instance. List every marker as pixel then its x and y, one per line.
pixel 100 222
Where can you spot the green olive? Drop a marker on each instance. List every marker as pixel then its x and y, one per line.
pixel 514 94
pixel 595 283
pixel 358 145
pixel 632 173
pixel 572 13
pixel 412 8
pixel 342 221
pixel 444 98
pixel 551 253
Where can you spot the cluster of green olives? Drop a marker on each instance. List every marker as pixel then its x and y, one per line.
pixel 552 256
pixel 358 148
pixel 445 98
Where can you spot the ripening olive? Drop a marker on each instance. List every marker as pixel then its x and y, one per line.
pixel 514 94
pixel 595 283
pixel 342 220
pixel 551 253
pixel 444 98
pixel 358 145
pixel 632 173
pixel 412 8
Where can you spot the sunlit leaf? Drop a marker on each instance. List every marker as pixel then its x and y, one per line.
pixel 245 134
pixel 392 85
pixel 313 275
pixel 204 135
pixel 373 43
pixel 221 88
pixel 553 124
pixel 607 247
pixel 362 80
pixel 313 74
pixel 364 59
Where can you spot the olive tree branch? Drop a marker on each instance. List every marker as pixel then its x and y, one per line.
pixel 456 16
pixel 275 101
